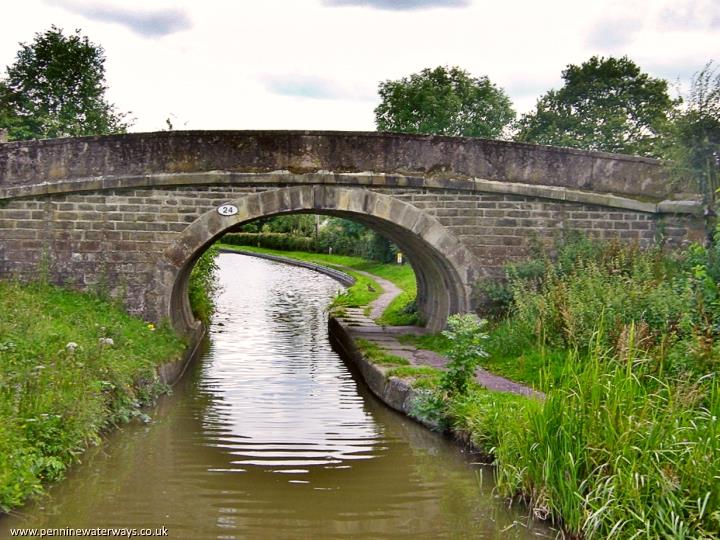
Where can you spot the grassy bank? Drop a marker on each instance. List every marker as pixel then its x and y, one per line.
pixel 71 365
pixel 623 342
pixel 365 290
pixel 513 355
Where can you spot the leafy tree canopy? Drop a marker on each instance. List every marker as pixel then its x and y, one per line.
pixel 56 88
pixel 443 101
pixel 697 132
pixel 605 104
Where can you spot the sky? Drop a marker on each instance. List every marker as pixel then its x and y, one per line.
pixel 316 64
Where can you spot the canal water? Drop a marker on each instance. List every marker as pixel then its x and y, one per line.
pixel 271 435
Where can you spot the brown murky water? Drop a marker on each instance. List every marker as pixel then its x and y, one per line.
pixel 270 435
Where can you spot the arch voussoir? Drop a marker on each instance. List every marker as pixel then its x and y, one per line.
pixel 439 258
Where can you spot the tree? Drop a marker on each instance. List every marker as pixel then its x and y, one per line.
pixel 352 238
pixel 56 88
pixel 295 224
pixel 443 101
pixel 697 131
pixel 605 104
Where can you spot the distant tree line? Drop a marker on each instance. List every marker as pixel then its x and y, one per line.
pixel 314 233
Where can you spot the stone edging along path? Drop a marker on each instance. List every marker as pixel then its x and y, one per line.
pixel 354 324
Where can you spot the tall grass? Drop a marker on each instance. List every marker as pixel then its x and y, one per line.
pixel 616 452
pixel 626 443
pixel 611 452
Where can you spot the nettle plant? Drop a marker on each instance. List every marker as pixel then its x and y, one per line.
pixel 465 334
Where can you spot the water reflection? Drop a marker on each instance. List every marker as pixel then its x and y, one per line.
pixel 270 436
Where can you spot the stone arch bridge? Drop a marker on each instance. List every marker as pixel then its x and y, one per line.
pixel 136 211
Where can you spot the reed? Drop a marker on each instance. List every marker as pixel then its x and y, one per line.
pixel 615 452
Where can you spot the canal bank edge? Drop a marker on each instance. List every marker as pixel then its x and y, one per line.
pixel 172 371
pixel 337 275
pixel 393 391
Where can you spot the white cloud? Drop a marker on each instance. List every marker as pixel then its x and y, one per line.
pixel 691 15
pixel 274 64
pixel 613 33
pixel 400 5
pixel 148 23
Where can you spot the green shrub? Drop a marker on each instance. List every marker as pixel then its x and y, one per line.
pixel 464 350
pixel 203 285
pixel 281 241
pixel 465 336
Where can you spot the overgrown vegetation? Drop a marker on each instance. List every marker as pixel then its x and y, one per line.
pixel 71 365
pixel 618 452
pixel 624 344
pixel 673 301
pixel 203 285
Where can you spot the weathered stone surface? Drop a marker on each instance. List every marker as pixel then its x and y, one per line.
pixel 133 212
pixel 441 159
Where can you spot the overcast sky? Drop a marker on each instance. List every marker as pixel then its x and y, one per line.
pixel 316 64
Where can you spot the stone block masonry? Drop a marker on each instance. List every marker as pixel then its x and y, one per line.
pixel 130 214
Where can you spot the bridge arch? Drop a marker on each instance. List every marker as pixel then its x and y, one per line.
pixel 131 213
pixel 444 267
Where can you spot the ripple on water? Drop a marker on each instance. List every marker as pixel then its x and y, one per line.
pixel 270 436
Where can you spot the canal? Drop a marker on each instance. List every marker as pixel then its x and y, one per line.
pixel 271 435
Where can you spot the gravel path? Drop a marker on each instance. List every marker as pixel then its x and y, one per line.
pixel 389 292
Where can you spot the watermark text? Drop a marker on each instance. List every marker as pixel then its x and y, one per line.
pixel 73 532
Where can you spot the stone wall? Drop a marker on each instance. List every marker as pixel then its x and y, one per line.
pixel 115 239
pixel 130 214
pixel 23 164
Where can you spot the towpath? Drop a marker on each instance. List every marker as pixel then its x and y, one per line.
pixel 364 326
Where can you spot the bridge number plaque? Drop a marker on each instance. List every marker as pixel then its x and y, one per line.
pixel 227 209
